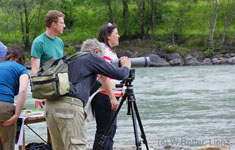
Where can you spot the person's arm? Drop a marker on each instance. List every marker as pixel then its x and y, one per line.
pixel 106 84
pixel 100 66
pixel 35 64
pixel 20 101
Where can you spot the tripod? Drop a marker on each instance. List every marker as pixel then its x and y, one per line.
pixel 129 95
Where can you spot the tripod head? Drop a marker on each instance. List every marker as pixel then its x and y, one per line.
pixel 128 81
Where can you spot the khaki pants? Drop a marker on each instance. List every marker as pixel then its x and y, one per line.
pixel 7 134
pixel 65 119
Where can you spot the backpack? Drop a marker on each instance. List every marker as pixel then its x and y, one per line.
pixel 52 79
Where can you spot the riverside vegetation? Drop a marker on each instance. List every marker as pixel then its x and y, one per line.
pixel 174 32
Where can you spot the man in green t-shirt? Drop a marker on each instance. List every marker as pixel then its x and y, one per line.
pixel 48 44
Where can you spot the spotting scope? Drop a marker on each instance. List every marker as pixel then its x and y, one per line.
pixel 135 62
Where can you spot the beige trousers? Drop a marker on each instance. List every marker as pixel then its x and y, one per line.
pixel 65 119
pixel 7 134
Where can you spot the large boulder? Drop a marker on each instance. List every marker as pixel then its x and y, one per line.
pixel 176 62
pixel 207 61
pixel 157 61
pixel 220 60
pixel 172 56
pixel 229 55
pixel 190 60
pixel 161 54
pixel 231 60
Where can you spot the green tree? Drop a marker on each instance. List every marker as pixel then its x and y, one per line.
pixel 153 17
pixel 212 10
pixel 21 16
pixel 141 11
pixel 229 15
pixel 125 15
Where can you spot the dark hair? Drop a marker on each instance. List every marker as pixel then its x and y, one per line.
pixel 52 16
pixel 105 31
pixel 15 53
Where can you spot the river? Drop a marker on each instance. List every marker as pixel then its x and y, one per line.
pixel 181 106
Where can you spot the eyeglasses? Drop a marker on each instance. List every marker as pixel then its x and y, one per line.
pixel 61 23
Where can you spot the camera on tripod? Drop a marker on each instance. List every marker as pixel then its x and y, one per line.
pixel 132 107
pixel 135 62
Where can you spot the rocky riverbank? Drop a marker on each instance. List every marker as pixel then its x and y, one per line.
pixel 159 57
pixel 172 56
pixel 174 59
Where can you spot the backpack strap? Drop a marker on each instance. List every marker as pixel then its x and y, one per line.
pixel 76 55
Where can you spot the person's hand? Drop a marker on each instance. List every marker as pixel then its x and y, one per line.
pixel 114 103
pixel 125 62
pixel 10 121
pixel 39 103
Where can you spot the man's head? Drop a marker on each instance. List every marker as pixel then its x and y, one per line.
pixel 93 46
pixel 55 19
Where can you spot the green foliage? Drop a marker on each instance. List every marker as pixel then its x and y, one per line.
pixel 187 19
pixel 198 41
pixel 70 50
pixel 209 53
pixel 27 58
pixel 171 49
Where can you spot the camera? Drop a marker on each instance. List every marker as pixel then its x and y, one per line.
pixel 135 62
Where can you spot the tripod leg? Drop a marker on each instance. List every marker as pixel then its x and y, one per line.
pixel 107 131
pixel 133 113
pixel 141 126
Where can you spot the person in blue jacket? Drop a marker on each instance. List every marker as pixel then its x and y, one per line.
pixel 13 81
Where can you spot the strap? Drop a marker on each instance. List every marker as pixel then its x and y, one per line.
pixel 76 55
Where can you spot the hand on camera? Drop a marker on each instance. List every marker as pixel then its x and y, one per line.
pixel 125 62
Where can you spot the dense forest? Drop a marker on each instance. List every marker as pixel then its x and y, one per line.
pixel 168 25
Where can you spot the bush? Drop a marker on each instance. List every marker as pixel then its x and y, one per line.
pixel 171 49
pixel 70 50
pixel 209 53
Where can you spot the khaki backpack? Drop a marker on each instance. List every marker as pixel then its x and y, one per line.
pixel 52 80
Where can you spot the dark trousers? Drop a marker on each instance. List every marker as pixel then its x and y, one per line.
pixel 103 113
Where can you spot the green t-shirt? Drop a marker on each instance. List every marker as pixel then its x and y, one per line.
pixel 44 47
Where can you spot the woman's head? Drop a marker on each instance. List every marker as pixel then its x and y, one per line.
pixel 109 35
pixel 16 54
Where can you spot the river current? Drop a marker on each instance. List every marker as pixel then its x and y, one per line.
pixel 179 106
